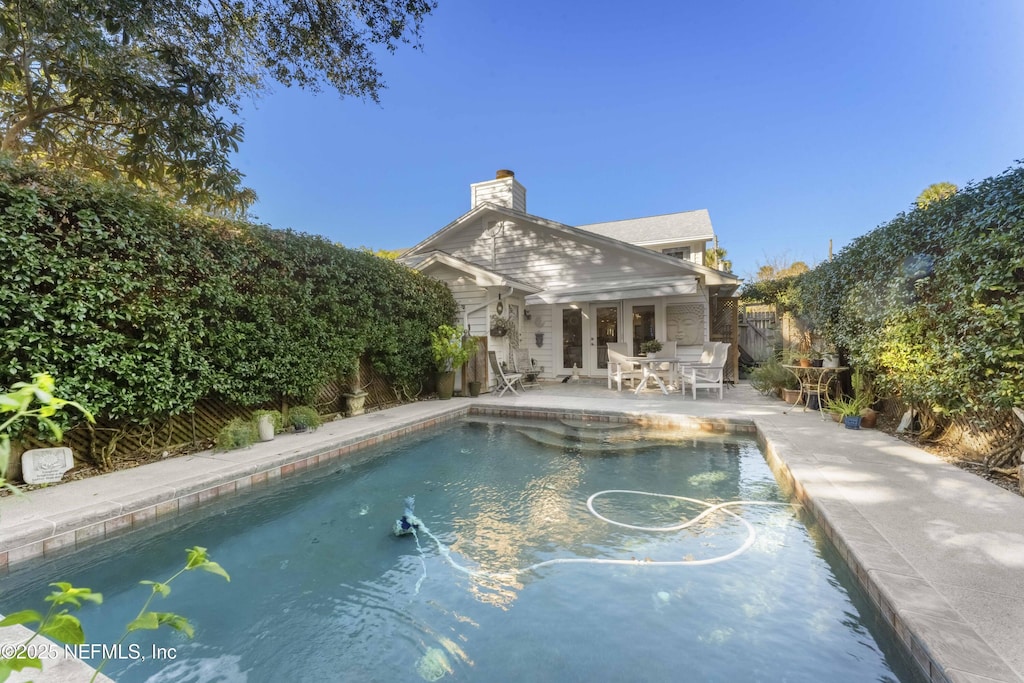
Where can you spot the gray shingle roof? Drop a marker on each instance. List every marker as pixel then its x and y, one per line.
pixel 687 225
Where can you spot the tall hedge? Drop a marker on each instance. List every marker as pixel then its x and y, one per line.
pixel 140 308
pixel 933 301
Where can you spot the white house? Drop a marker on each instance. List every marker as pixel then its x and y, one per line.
pixel 572 290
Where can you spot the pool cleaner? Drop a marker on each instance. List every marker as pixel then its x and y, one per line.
pixel 408 523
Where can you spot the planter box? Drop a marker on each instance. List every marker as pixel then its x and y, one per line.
pixel 851 421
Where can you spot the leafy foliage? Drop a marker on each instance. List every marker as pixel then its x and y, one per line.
pixel 935 192
pixel 451 347
pixel 141 309
pixel 134 89
pixel 933 301
pixel 237 433
pixel 304 417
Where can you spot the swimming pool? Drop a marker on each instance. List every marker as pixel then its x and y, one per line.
pixel 323 590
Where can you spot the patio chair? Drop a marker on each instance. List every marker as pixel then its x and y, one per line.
pixel 668 351
pixel 710 376
pixel 530 371
pixel 619 368
pixel 504 381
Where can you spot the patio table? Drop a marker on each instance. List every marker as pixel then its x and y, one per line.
pixel 650 370
pixel 817 380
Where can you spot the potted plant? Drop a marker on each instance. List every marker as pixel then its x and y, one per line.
pixel 268 423
pixel 451 347
pixel 237 433
pixel 848 409
pixel 302 418
pixel 864 390
pixel 650 346
pixel 771 378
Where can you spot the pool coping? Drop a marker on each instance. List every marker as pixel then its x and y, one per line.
pixel 921 608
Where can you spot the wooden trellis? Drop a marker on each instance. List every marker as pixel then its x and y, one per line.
pixel 110 441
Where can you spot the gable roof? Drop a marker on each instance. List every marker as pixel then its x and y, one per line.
pixel 710 275
pixel 669 227
pixel 485 277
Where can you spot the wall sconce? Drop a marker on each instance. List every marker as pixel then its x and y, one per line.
pixel 526 314
pixel 540 339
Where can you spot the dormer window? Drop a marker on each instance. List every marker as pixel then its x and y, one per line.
pixel 682 253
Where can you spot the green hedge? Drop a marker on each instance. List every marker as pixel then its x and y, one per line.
pixel 140 309
pixel 933 301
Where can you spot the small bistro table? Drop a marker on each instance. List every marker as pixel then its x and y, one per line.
pixel 816 380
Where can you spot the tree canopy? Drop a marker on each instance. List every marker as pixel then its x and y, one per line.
pixel 148 90
pixel 935 192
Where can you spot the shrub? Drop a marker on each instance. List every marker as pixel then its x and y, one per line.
pixel 303 417
pixel 238 433
pixel 932 302
pixel 141 308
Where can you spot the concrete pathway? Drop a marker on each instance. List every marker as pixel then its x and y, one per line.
pixel 939 551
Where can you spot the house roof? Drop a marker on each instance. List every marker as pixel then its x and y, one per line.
pixel 484 277
pixel 669 227
pixel 710 275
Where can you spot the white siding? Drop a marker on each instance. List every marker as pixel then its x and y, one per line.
pixel 529 253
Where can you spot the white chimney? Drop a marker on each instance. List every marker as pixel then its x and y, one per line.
pixel 504 190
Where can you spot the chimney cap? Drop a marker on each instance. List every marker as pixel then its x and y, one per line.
pixel 504 173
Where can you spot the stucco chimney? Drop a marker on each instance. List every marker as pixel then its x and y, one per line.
pixel 504 190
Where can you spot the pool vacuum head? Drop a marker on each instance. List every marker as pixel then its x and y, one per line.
pixel 409 522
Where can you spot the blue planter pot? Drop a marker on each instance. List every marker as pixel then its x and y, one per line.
pixel 852 421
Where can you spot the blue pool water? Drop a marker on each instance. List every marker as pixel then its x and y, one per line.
pixel 322 590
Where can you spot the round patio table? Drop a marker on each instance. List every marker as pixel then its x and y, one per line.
pixel 816 380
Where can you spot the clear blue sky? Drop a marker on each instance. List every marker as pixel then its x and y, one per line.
pixel 792 122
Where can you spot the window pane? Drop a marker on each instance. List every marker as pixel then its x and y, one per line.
pixel 572 338
pixel 643 326
pixel 607 332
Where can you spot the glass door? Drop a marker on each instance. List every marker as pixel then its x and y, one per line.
pixel 643 326
pixel 572 339
pixel 606 330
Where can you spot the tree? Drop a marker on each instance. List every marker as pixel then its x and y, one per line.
pixel 935 192
pixel 715 258
pixel 145 89
pixel 779 269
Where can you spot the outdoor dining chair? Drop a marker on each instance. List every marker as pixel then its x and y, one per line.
pixel 710 376
pixel 619 368
pixel 504 381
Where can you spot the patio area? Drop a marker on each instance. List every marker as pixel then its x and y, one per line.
pixel 938 550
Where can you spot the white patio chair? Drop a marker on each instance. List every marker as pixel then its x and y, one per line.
pixel 619 368
pixel 530 371
pixel 668 351
pixel 710 376
pixel 504 381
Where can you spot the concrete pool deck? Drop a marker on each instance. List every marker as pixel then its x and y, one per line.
pixel 938 550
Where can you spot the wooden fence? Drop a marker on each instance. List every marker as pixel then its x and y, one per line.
pixel 758 332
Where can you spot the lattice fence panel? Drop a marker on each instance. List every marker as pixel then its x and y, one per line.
pixel 725 328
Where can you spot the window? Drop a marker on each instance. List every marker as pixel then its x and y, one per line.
pixel 678 252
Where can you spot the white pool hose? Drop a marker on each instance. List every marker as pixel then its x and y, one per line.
pixel 418 525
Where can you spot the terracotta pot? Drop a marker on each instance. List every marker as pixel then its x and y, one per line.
pixel 836 417
pixel 868 418
pixel 805 362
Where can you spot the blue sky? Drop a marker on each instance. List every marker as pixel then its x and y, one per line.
pixel 792 122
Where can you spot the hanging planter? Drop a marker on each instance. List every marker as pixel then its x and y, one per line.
pixel 501 326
